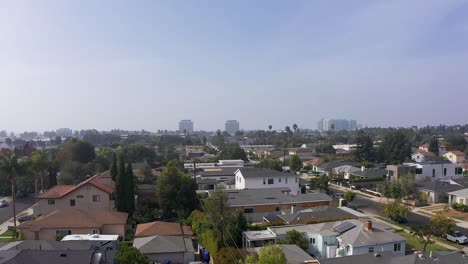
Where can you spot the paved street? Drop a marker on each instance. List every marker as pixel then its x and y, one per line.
pixel 21 204
pixel 372 207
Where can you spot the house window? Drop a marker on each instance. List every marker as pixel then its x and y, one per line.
pixel 286 180
pixel 270 181
pixel 371 249
pixel 63 232
pixel 348 249
pixel 433 173
pixel 79 196
pixel 95 231
pixel 418 171
pixel 248 210
pixel 264 181
pixel 458 170
pixel 312 240
pixel 279 180
pixel 445 171
pixel 397 247
pixel 96 198
pixel 72 202
pixel 50 202
pixel 277 208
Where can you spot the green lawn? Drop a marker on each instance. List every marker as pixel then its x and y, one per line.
pixel 7 233
pixel 414 243
pixel 7 239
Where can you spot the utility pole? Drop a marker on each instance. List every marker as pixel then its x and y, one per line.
pixel 222 221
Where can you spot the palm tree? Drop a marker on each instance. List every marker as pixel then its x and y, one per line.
pixel 295 127
pixel 39 166
pixel 270 127
pixel 9 166
pixel 288 129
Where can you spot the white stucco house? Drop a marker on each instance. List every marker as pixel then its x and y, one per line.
pixel 339 238
pixel 436 170
pixel 261 178
pixel 455 156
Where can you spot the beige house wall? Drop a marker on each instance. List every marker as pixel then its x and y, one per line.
pixel 86 202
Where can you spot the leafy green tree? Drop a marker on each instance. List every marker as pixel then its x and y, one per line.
pixel 10 168
pixel 438 226
pixel 113 168
pixel 349 196
pixel 434 146
pixel 320 183
pixel 120 185
pixel 130 255
pixel 39 163
pixel 295 127
pixel 176 191
pixel 271 254
pixel 296 238
pixel 218 140
pixel 83 152
pixel 365 147
pixel 130 190
pixel 273 164
pixel 270 127
pixel 52 176
pixel 396 210
pixel 233 151
pixel 456 142
pixel 139 153
pixel 295 163
pixel 395 148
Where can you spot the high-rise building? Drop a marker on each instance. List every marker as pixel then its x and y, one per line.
pixel 231 126
pixel 64 132
pixel 336 124
pixel 186 126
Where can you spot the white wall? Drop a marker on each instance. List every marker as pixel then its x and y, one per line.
pixel 378 248
pixel 427 171
pixel 290 181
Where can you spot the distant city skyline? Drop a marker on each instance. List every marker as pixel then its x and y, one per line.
pixel 148 64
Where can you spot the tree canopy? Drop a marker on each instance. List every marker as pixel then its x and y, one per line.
pixel 295 163
pixel 130 255
pixel 273 164
pixel 296 238
pixel 233 151
pixel 396 210
pixel 271 254
pixel 83 152
pixel 395 148
pixel 365 147
pixel 438 226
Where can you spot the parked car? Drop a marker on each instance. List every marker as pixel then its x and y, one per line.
pixel 25 218
pixel 20 194
pixel 3 203
pixel 457 237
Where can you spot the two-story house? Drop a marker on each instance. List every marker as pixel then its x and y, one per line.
pixel 261 178
pixel 435 170
pixel 421 156
pixel 93 193
pixel 455 156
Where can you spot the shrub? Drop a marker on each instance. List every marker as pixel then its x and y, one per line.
pixel 454 205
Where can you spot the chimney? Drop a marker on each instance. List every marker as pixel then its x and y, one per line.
pixel 363 168
pixel 368 225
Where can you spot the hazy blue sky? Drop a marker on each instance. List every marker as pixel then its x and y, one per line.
pixel 147 64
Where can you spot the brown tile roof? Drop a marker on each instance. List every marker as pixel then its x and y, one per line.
pixel 313 162
pixel 76 218
pixel 457 153
pixel 163 229
pixel 59 191
pixel 464 165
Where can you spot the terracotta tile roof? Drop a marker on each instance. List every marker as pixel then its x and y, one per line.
pixel 163 229
pixel 464 165
pixel 59 191
pixel 75 218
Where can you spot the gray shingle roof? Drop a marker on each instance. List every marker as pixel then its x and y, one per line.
pixel 325 212
pixel 444 185
pixel 248 197
pixel 227 171
pixel 334 164
pixel 461 193
pixel 163 244
pixel 263 173
pixel 370 173
pixel 53 257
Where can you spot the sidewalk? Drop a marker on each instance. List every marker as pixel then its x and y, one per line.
pixel 428 212
pixel 4 226
pixel 465 249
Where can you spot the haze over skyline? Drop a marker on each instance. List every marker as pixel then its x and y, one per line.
pixel 148 64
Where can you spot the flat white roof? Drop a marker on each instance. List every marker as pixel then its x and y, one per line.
pixel 95 237
pixel 259 235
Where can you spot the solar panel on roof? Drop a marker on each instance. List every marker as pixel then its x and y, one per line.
pixel 344 227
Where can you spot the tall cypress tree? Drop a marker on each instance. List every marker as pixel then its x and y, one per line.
pixel 120 186
pixel 113 169
pixel 130 188
pixel 52 177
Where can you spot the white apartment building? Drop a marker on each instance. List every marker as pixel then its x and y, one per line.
pixel 436 170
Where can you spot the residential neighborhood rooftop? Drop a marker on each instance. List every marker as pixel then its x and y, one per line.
pixel 162 228
pixel 263 173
